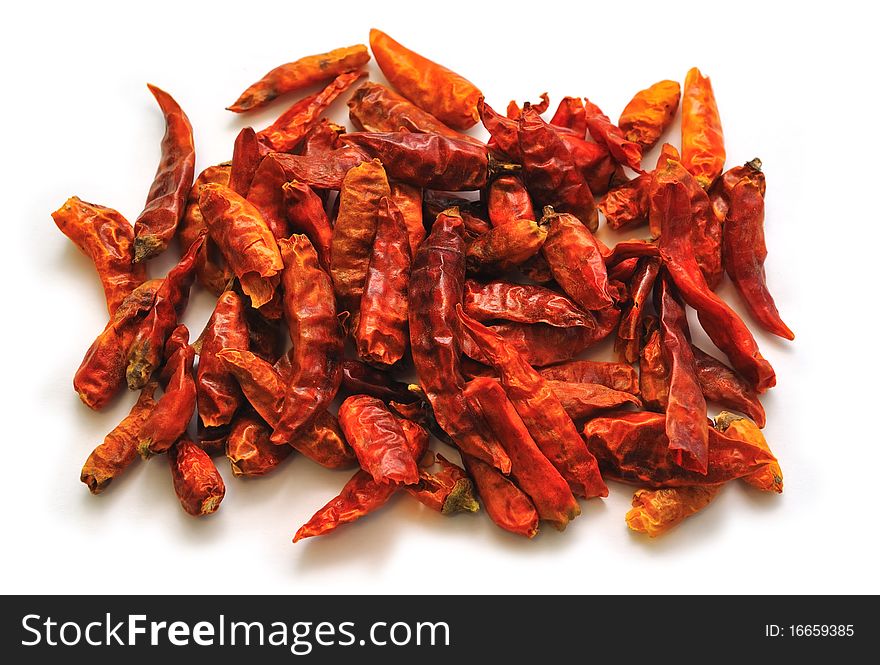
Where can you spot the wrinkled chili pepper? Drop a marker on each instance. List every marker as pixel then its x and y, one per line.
pixel 449 97
pixel 358 378
pixel 768 478
pixel 322 138
pixel 725 329
pixel 267 196
pixel 686 425
pixel 362 190
pixel 435 288
pixel 310 311
pixel 376 436
pixel 523 303
pixel 300 74
pixel 217 391
pixel 381 336
pixel 654 512
pixel 653 373
pixel 542 412
pixel 721 384
pixel 448 491
pixel 514 110
pixel 533 472
pixel 168 421
pixel 197 482
pixel 575 259
pixel 719 193
pixel 245 240
pixel 583 401
pixel 249 450
pixel 509 201
pixel 119 448
pixel 247 155
pixel 144 354
pixel 504 247
pixel 107 239
pixel 505 503
pixel 322 171
pixel 702 140
pixel 305 214
pixel 266 338
pixel 627 343
pixel 288 131
pixel 572 115
pixel 649 113
pixel 624 270
pixel 472 214
pixel 166 201
pixel 605 133
pixel 408 200
pixel 633 448
pixel 504 132
pixel 537 270
pixel 617 376
pixel 628 204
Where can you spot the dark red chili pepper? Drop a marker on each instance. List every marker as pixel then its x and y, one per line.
pixel 247 154
pixel 583 401
pixel 107 239
pixel 197 482
pixel 721 384
pixel 627 343
pixel 624 270
pixel 322 171
pixel 509 201
pixel 505 247
pixel 572 115
pixel 408 200
pixel 628 204
pixel 321 139
pixel 523 303
pixel 249 450
pixel 504 131
pixel 267 196
pixel 606 133
pixel 358 378
pixel 305 214
pixel 155 226
pixel 505 503
pixel 702 140
pixel 448 491
pixel 472 213
pixel 617 376
pixel 266 338
pixel 649 113
pixel 653 373
pixel 537 270
pixel 212 439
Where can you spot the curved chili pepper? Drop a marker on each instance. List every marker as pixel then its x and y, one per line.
pixel 119 448
pixel 166 201
pixel 443 93
pixel 300 74
pixel 267 196
pixel 305 214
pixel 361 379
pixel 448 491
pixel 211 270
pixel 436 286
pixel 244 239
pixel 288 131
pixel 249 450
pixel 217 392
pixel 768 478
pixel 362 190
pixel 322 171
pixel 408 200
pixel 633 448
pixel 702 140
pixel 523 303
pixel 654 512
pixel 322 138
pixel 617 376
pixel 719 193
pixel 649 113
pixel 725 329
pixel 107 239
pixel 197 482
pixel 381 335
pixel 247 155
pixel 310 311
pixel 168 421
pixel 575 259
pixel 583 401
pixel 721 384
pixel 505 247
pixel 572 115
pixel 509 201
pixel 542 412
pixel 604 132
pixel 628 332
pixel 145 351
pixel 533 472
pixel 505 503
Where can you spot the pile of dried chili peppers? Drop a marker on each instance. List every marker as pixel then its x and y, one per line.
pixel 361 246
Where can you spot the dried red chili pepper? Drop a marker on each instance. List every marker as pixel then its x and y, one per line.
pixel 505 247
pixel 719 193
pixel 537 270
pixel 572 115
pixel 504 131
pixel 649 113
pixel 305 214
pixel 617 376
pixel 448 491
pixel 166 201
pixel 575 259
pixel 472 213
pixel 300 74
pixel 217 391
pixel 769 477
pixel 653 373
pixel 146 347
pixel 249 450
pixel 627 205
pixel 505 503
pixel 509 201
pixel 244 239
pixel 541 410
pixel 550 172
pixel 724 386
pixel 727 331
pixel 702 140
pixel 514 110
pixel 310 311
pixel 362 190
pixel 408 200
pixel 288 131
pixel 197 482
pixel 322 138
pixel 686 425
pixel 627 343
pixel 604 132
pixel 322 171
pixel 119 448
pixel 168 421
pixel 381 336
pixel 443 93
pixel 633 448
pixel 436 286
pixel 266 338
pixel 211 271
pixel 623 271
pixel 377 438
pixel 583 401
pixel 267 196
pixel 523 303
pixel 533 472
pixel 247 154
pixel 107 239
pixel 654 512
pixel 358 378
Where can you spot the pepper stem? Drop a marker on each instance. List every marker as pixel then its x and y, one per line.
pixel 498 168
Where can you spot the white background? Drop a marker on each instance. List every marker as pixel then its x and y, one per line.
pixel 794 88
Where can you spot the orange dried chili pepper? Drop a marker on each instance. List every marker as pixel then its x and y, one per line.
pixel 505 503
pixel 249 450
pixel 449 97
pixel 166 201
pixel 654 512
pixel 524 303
pixel 244 239
pixel 381 335
pixel 768 478
pixel 448 491
pixel 305 214
pixel 266 194
pixel 627 205
pixel 197 482
pixel 211 270
pixel 572 115
pixel 583 401
pixel 509 201
pixel 505 247
pixel 627 343
pixel 702 140
pixel 649 113
pixel 408 200
pixel 247 155
pixel 617 376
pixel 604 132
pixel 107 239
pixel 119 448
pixel 300 74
